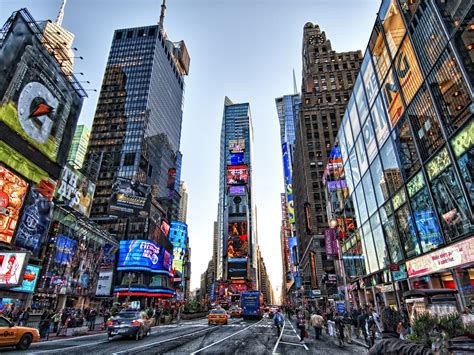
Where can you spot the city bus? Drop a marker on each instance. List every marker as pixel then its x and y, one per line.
pixel 251 304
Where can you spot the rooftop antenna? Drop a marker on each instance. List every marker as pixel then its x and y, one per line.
pixel 295 88
pixel 59 19
pixel 162 15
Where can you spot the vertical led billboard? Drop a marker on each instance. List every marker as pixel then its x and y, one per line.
pixel 237 241
pixel 237 175
pixel 288 182
pixel 237 145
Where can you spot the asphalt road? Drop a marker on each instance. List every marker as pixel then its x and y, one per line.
pixel 195 337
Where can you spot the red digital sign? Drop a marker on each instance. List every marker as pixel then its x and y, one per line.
pixel 237 241
pixel 237 175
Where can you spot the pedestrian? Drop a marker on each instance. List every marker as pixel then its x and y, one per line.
pixel 301 324
pixel 391 342
pixel 348 323
pixel 362 321
pixel 55 318
pixel 62 326
pixel 355 323
pixel 317 322
pixel 338 321
pixel 157 315
pixel 371 329
pixel 44 324
pixel 92 318
pixel 278 319
pixel 24 316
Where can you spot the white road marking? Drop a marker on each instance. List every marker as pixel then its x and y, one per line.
pixel 299 337
pixel 295 344
pixel 70 347
pixel 220 341
pixel 279 338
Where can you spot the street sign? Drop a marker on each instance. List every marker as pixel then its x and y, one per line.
pixel 394 267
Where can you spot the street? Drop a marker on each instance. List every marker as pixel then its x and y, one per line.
pixel 197 337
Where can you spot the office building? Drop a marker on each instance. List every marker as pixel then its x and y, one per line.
pixel 78 150
pixel 183 202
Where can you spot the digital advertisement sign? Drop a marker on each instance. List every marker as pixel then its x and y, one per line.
pixel 30 277
pixel 288 183
pixel 237 159
pixel 237 190
pixel 65 249
pixel 237 175
pixel 75 190
pixel 237 241
pixel 237 145
pixel 104 284
pixel 12 193
pixel 142 255
pixel 38 102
pixel 129 197
pixel 34 222
pixel 237 268
pixel 12 268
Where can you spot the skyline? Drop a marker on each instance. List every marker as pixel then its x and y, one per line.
pixel 203 192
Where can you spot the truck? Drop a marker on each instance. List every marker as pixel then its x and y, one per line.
pixel 251 304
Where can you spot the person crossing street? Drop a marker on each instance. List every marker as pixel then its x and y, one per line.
pixel 278 319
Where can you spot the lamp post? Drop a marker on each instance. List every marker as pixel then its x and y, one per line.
pixel 333 225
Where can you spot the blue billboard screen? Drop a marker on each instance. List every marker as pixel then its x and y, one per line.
pixel 236 158
pixel 288 182
pixel 142 255
pixel 30 276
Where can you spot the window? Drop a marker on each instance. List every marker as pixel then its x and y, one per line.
pixel 353 117
pixel 363 162
pixel 379 242
pixel 453 11
pixel 406 149
pixel 348 175
pixel 347 131
pixel 379 52
pixel 361 204
pixel 463 147
pixel 129 159
pixel 379 182
pixel 407 231
pixel 370 81
pixel 151 32
pixel 393 98
pixel 425 124
pixel 391 169
pixel 129 34
pixel 361 101
pixel 355 172
pixel 141 33
pixel 118 35
pixel 408 71
pixel 369 139
pixel 369 193
pixel 391 235
pixel 379 119
pixel 465 45
pixel 369 248
pixel 392 24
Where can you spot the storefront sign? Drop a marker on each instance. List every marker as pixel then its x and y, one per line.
pixel 386 288
pixel 444 258
pixel 104 284
pixel 12 268
pixel 394 267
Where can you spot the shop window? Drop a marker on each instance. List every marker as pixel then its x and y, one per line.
pixel 370 81
pixel 355 172
pixel 363 162
pixel 391 169
pixel 369 139
pixel 406 230
pixel 464 42
pixel 392 24
pixel 379 52
pixel 378 180
pixel 408 71
pixel 361 204
pixel 425 124
pixel 380 119
pixel 371 256
pixel 406 149
pixel 360 99
pixel 369 193
pixel 393 98
pixel 452 12
pixel 449 200
pixel 353 117
pixel 450 92
pixel 391 234
pixel 379 242
pixel 463 147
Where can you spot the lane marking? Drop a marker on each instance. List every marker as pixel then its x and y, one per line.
pixel 299 337
pixel 279 338
pixel 69 347
pixel 295 344
pixel 230 336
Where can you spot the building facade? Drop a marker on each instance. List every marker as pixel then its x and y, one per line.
pixel 407 153
pixel 328 79
pixel 78 150
pixel 183 202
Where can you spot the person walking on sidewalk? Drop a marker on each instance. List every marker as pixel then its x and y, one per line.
pixel 278 319
pixel 317 322
pixel 55 319
pixel 391 342
pixel 362 320
pixel 24 316
pixel 301 324
pixel 92 318
pixel 348 323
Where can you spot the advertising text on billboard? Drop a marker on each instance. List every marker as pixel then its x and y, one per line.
pixel 12 266
pixel 142 255
pixel 237 175
pixel 129 197
pixel 30 277
pixel 237 145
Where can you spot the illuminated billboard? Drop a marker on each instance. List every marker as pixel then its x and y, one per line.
pixel 237 145
pixel 30 277
pixel 237 175
pixel 236 268
pixel 129 197
pixel 34 223
pixel 104 283
pixel 237 159
pixel 237 241
pixel 38 102
pixel 288 183
pixel 237 190
pixel 75 190
pixel 12 268
pixel 142 255
pixel 12 193
pixel 65 249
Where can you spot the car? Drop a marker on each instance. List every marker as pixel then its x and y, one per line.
pixel 217 316
pixel 235 312
pixel 129 323
pixel 13 335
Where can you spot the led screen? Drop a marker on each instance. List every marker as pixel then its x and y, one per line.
pixel 12 193
pixel 129 197
pixel 237 190
pixel 237 145
pixel 237 175
pixel 237 268
pixel 142 255
pixel 12 266
pixel 288 183
pixel 30 277
pixel 237 241
pixel 237 158
pixel 65 248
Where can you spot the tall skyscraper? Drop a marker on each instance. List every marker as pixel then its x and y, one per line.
pixel 236 252
pixel 183 202
pixel 79 144
pixel 328 78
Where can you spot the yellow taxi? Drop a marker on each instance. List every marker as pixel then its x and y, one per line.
pixel 12 335
pixel 235 312
pixel 217 316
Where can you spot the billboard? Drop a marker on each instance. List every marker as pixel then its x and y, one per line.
pixel 12 193
pixel 129 197
pixel 65 249
pixel 237 241
pixel 171 178
pixel 104 283
pixel 237 175
pixel 37 101
pixel 34 222
pixel 237 268
pixel 330 242
pixel 12 268
pixel 108 256
pixel 75 190
pixel 237 158
pixel 288 183
pixel 30 277
pixel 142 255
pixel 237 145
pixel 237 190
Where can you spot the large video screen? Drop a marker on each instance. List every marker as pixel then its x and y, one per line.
pixel 37 101
pixel 65 249
pixel 237 175
pixel 237 190
pixel 237 268
pixel 237 240
pixel 12 267
pixel 237 145
pixel 237 159
pixel 129 197
pixel 143 255
pixel 12 193
pixel 30 277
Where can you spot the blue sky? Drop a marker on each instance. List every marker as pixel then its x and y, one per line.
pixel 243 49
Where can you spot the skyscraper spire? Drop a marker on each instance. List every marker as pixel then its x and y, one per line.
pixel 162 15
pixel 295 88
pixel 59 19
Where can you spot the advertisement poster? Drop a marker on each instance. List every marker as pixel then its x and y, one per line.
pixel 167 259
pixel 108 256
pixel 65 248
pixel 34 222
pixel 288 182
pixel 237 159
pixel 330 242
pixel 140 255
pixel 129 197
pixel 75 190
pixel 237 145
pixel 237 241
pixel 237 190
pixel 30 277
pixel 12 266
pixel 38 101
pixel 237 268
pixel 171 178
pixel 104 284
pixel 237 175
pixel 12 193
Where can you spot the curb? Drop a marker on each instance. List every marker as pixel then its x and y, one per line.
pixel 360 343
